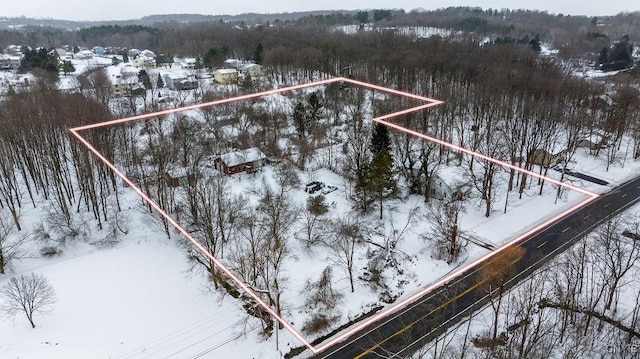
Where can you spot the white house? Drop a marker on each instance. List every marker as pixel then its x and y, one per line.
pixel 187 63
pixel 13 50
pixel 9 62
pixel 83 55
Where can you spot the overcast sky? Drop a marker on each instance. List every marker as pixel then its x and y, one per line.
pixel 127 9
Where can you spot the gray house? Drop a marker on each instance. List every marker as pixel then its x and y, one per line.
pixel 450 184
pixel 179 81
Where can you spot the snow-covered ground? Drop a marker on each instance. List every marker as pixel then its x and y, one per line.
pixel 135 300
pixel 139 299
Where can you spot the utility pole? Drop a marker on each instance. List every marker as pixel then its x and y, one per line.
pixel 277 325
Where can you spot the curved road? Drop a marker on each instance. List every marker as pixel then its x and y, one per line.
pixel 407 330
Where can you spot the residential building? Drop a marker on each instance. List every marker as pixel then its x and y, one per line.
pixel 187 63
pixel 450 184
pixel 179 81
pixel 13 50
pixel 226 76
pixel 83 55
pixel 148 54
pixel 249 160
pixel 253 70
pixel 127 87
pixel 9 62
pixel 545 158
pixel 233 64
pixel 124 81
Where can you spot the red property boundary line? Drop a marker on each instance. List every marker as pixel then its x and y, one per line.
pixel 428 103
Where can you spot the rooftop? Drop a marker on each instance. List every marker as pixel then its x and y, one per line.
pixel 242 156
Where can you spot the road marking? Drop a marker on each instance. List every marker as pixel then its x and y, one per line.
pixel 458 296
pixel 566 229
pixel 441 306
pixel 624 195
pixel 542 244
pixel 607 205
pixel 587 216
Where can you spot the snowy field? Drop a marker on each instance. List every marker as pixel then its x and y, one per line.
pixel 136 300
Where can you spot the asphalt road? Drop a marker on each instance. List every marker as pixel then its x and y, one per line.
pixel 409 329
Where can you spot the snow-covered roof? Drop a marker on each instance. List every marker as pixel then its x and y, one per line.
pixel 243 156
pixel 176 75
pixel 85 54
pixel 226 71
pixel 15 49
pixel 148 53
pixel 6 57
pixel 452 175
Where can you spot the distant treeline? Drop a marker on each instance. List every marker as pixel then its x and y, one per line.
pixel 149 32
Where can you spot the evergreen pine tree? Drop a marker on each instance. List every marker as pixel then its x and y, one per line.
pixel 299 119
pixel 380 140
pixel 379 181
pixel 536 44
pixel 159 82
pixel 314 105
pixel 67 67
pixel 257 55
pixel 143 77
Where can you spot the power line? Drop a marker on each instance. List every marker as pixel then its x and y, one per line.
pixel 209 350
pixel 201 324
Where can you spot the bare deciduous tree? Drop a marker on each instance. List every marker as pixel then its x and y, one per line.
pixel 28 293
pixel 346 233
pixel 445 233
pixel 6 250
pixel 617 256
